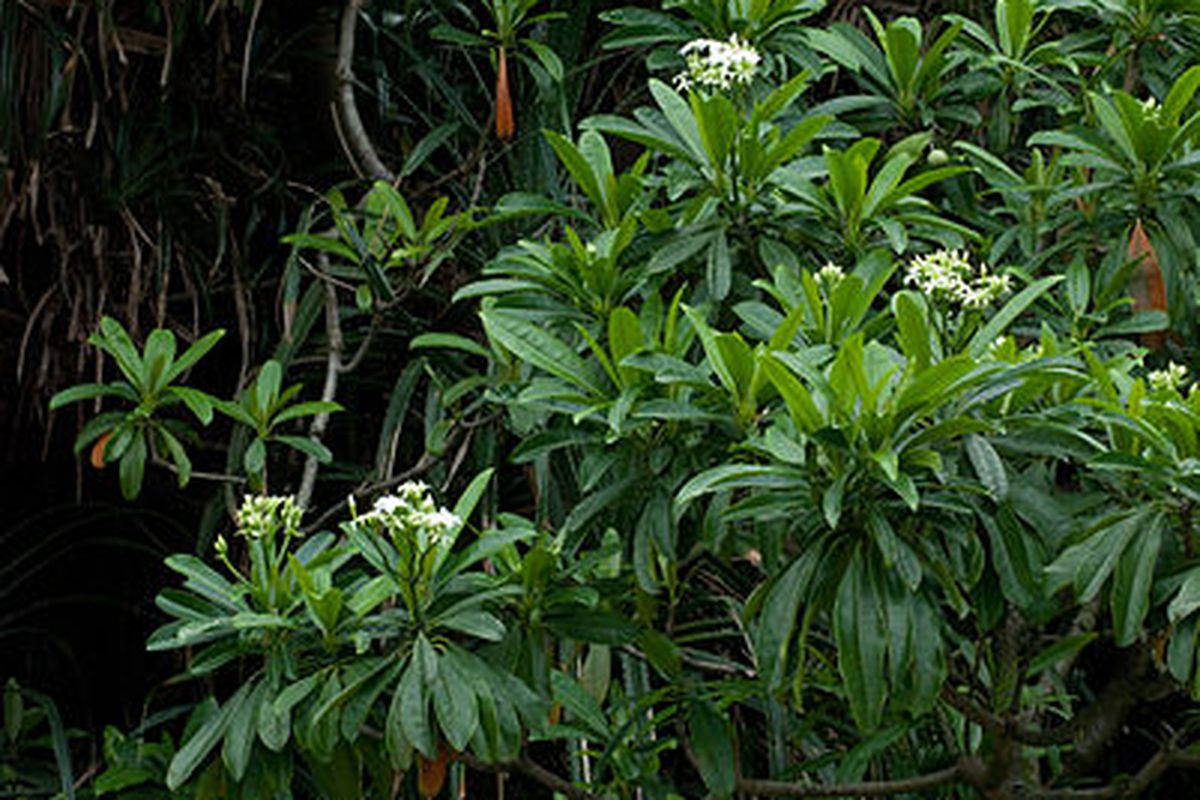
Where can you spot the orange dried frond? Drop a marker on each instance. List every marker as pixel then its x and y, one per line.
pixel 97 458
pixel 1146 285
pixel 431 773
pixel 505 125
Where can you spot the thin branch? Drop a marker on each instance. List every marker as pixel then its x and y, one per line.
pixel 218 477
pixel 991 723
pixel 333 368
pixel 1158 764
pixel 535 771
pixel 917 783
pixel 423 464
pixel 350 123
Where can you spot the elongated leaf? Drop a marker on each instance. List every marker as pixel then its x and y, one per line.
pixel 202 742
pixel 1134 576
pixel 861 643
pixel 542 349
pixel 714 749
pixel 988 466
pixel 243 725
pixel 1060 650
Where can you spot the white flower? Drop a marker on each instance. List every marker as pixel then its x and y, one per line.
pixel 262 516
pixel 830 275
pixel 713 64
pixel 412 510
pixel 1169 378
pixel 387 504
pixel 441 521
pixel 946 276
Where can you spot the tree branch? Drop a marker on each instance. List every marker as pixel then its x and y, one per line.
pixel 917 783
pixel 346 114
pixel 333 368
pixel 536 771
pixel 1158 764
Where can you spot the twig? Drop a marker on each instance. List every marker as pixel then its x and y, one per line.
pixel 218 477
pixel 258 4
pixel 534 770
pixel 1008 728
pixel 1152 770
pixel 917 783
pixel 423 464
pixel 346 108
pixel 333 369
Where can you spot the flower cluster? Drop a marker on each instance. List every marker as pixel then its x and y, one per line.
pixel 830 276
pixel 1169 378
pixel 713 64
pixel 411 507
pixel 947 276
pixel 263 516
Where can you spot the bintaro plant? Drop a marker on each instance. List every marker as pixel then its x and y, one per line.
pixel 133 437
pixel 382 628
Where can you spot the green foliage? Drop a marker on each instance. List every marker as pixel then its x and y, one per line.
pixel 150 384
pixel 264 407
pixel 815 436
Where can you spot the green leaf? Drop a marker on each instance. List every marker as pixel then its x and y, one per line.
pixel 861 642
pixel 307 409
pixel 206 582
pixel 1016 557
pixel 88 391
pixel 268 383
pixel 310 447
pixel 548 59
pixel 414 708
pixel 325 244
pixel 716 360
pixel 194 353
pixel 578 167
pixel 1079 286
pixel 480 624
pixel 1089 563
pixel 912 329
pixel 541 349
pixel 1187 600
pixel 183 464
pixel 592 625
pixel 714 749
pixel 116 342
pixel 239 738
pixel 133 467
pixel 800 405
pixel 254 460
pixel 449 341
pixel 988 466
pixel 454 702
pixel 679 116
pixel 582 707
pixel 203 740
pixel 199 403
pixel 1134 577
pixel 1060 650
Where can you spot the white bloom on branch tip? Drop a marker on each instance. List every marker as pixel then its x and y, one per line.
pixel 830 275
pixel 715 64
pixel 1168 378
pixel 947 276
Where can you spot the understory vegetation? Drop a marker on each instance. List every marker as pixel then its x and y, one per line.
pixel 602 400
